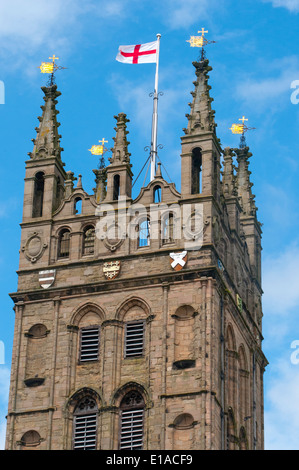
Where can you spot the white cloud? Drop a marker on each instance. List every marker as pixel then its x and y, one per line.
pixel 280 281
pixel 33 22
pixel 274 90
pixel 28 26
pixel 184 14
pixel 291 5
pixel 282 414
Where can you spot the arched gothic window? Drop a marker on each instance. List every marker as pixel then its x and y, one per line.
pixel 157 194
pixel 144 233
pixel 78 206
pixel 132 421
pixel 196 171
pixel 116 187
pixel 134 338
pixel 89 343
pixel 88 240
pixel 64 244
pixel 168 228
pixel 38 195
pixel 85 424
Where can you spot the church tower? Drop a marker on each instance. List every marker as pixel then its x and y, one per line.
pixel 148 336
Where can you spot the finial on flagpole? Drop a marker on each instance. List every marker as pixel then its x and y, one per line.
pixel 200 41
pixel 241 129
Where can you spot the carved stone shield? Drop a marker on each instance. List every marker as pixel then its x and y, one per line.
pixel 178 260
pixel 46 278
pixel 111 269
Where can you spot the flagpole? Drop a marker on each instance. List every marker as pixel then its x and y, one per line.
pixel 155 116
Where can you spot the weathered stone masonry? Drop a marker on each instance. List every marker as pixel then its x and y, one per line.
pixel 198 383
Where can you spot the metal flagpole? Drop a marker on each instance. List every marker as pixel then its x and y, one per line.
pixel 155 116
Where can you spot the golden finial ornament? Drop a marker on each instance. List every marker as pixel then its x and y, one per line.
pixel 50 67
pixel 99 149
pixel 241 129
pixel 200 41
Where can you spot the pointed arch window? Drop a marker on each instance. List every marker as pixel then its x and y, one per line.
pixel 132 421
pixel 134 338
pixel 89 344
pixel 64 243
pixel 88 240
pixel 168 228
pixel 157 194
pixel 196 171
pixel 38 195
pixel 78 206
pixel 144 233
pixel 85 424
pixel 116 187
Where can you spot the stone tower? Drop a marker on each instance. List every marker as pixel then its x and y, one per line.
pixel 138 323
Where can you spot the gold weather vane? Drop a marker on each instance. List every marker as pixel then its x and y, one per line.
pixel 50 67
pixel 100 150
pixel 241 129
pixel 200 41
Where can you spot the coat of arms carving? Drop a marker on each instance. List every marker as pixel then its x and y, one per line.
pixel 178 260
pixel 111 269
pixel 46 278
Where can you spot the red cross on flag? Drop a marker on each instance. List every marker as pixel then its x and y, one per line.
pixel 138 54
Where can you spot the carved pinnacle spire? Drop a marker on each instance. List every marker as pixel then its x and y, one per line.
pixel 201 117
pixel 120 152
pixel 101 183
pixel 47 142
pixel 229 179
pixel 243 181
pixel 158 171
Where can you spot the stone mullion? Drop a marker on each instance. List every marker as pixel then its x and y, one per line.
pixel 75 238
pixel 48 195
pixel 108 419
pixel 72 358
pixel 53 249
pixel 111 371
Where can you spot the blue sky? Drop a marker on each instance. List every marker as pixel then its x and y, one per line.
pixel 255 61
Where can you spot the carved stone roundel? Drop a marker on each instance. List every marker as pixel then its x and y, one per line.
pixel 34 247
